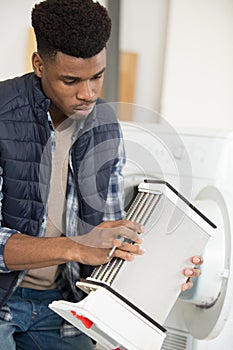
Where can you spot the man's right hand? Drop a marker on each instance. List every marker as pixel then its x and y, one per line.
pixel 24 252
pixel 99 241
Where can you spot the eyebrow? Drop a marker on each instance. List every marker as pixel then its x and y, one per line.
pixel 71 77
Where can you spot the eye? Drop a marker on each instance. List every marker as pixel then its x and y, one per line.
pixel 97 76
pixel 69 82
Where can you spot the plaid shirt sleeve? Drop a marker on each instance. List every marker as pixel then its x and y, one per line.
pixel 115 199
pixel 5 233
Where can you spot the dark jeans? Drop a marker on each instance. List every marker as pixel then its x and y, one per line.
pixel 36 327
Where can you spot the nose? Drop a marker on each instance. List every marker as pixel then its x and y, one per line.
pixel 85 91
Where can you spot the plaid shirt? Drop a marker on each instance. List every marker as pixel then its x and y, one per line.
pixel 113 211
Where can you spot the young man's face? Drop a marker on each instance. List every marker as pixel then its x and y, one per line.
pixel 72 84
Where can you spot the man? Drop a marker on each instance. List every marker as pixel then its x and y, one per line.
pixel 61 157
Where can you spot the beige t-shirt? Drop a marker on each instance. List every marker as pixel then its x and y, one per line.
pixel 44 278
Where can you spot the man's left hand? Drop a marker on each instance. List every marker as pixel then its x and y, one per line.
pixel 192 272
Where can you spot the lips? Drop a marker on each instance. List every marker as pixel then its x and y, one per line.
pixel 83 111
pixel 85 105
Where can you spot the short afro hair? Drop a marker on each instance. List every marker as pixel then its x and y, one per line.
pixel 79 28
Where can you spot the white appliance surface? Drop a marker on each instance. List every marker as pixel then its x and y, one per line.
pixel 199 164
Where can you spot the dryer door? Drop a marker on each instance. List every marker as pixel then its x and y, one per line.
pixel 207 306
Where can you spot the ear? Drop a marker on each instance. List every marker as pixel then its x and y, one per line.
pixel 37 64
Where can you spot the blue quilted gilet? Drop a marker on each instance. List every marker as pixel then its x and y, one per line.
pixel 24 133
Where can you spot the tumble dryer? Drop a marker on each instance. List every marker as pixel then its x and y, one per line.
pixel 199 164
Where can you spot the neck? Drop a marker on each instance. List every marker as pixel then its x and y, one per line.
pixel 57 116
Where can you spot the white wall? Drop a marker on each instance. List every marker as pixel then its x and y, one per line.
pixel 143 30
pixel 198 80
pixel 15 19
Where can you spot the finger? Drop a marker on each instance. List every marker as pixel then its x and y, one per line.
pixel 129 233
pixel 117 242
pixel 124 255
pixel 187 285
pixel 133 249
pixel 194 272
pixel 197 260
pixel 124 242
